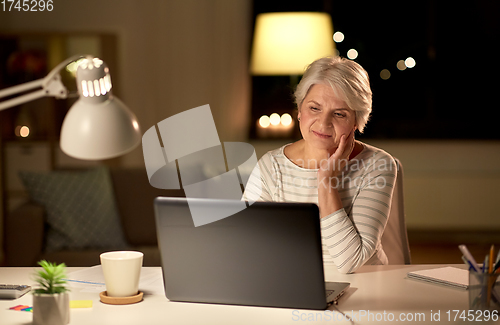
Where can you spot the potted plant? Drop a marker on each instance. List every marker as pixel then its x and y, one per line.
pixel 51 299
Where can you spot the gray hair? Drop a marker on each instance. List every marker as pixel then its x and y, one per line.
pixel 348 80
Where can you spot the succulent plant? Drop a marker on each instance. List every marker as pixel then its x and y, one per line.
pixel 51 278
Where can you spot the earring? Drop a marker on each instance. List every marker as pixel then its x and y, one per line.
pixel 299 119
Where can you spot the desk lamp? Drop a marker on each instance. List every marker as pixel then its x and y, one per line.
pixel 98 125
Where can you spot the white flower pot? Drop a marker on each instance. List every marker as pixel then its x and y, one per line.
pixel 51 309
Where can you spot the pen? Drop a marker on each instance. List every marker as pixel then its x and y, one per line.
pixel 469 257
pixel 497 262
pixel 490 266
pixel 467 262
pixel 487 268
pixel 493 268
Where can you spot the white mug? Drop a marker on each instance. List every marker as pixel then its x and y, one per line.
pixel 122 270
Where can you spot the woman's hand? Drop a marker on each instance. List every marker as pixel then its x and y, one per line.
pixel 328 196
pixel 333 166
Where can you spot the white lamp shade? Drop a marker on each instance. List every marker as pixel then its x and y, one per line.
pixel 285 43
pixel 95 131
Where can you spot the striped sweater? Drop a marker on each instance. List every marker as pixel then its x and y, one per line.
pixel 351 237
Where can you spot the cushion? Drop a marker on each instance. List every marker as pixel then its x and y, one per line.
pixel 134 197
pixel 80 207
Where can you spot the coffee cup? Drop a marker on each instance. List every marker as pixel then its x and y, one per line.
pixel 122 270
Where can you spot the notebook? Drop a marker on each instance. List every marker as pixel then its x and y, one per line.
pixel 268 254
pixel 448 276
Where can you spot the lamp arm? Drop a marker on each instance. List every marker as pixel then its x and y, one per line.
pixel 54 72
pixel 51 86
pixel 20 88
pixel 22 99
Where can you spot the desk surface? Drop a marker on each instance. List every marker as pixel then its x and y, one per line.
pixel 377 294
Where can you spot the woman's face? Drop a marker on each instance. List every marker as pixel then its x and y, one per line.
pixel 324 118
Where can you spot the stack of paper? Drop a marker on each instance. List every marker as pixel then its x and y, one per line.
pixel 448 276
pixel 91 279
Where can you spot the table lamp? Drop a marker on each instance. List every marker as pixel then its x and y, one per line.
pixel 98 125
pixel 285 43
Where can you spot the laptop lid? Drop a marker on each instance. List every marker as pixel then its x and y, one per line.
pixel 268 254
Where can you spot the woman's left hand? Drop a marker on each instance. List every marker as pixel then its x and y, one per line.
pixel 338 160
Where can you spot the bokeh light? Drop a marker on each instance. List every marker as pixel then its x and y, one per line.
pixel 264 121
pixel 410 62
pixel 275 119
pixel 338 37
pixel 286 119
pixel 352 54
pixel 401 65
pixel 385 74
pixel 24 131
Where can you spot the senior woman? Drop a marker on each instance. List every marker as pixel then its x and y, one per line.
pixel 352 182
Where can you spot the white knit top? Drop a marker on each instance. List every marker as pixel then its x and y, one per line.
pixel 350 236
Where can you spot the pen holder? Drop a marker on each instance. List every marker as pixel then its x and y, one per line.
pixel 484 291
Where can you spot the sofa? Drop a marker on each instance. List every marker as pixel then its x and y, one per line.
pixel 28 228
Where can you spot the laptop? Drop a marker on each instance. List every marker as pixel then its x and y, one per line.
pixel 268 254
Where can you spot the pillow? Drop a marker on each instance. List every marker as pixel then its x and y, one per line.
pixel 80 206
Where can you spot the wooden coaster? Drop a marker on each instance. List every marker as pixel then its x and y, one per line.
pixel 120 300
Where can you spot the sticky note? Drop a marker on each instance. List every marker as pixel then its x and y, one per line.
pixel 80 304
pixel 22 308
pixel 72 304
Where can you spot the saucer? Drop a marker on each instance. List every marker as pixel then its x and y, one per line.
pixel 120 300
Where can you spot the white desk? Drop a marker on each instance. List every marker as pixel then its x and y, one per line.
pixel 374 290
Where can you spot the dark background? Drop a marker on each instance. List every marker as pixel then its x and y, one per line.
pixel 451 93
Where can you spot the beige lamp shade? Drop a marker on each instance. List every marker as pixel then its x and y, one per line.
pixel 99 131
pixel 98 125
pixel 285 43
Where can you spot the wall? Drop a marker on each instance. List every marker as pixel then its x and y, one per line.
pixel 448 185
pixel 173 55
